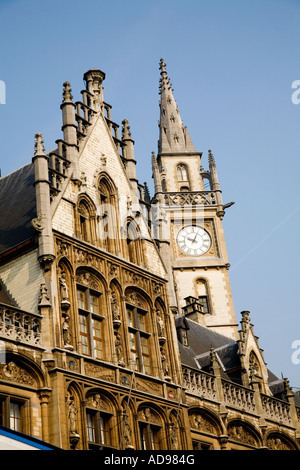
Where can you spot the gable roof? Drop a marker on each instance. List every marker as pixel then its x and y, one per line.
pixel 200 341
pixel 17 207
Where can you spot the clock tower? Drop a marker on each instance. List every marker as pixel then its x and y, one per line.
pixel 188 223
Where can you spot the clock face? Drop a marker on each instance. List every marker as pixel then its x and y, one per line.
pixel 193 240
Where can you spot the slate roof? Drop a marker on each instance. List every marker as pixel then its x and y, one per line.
pixel 17 207
pixel 200 340
pixel 197 354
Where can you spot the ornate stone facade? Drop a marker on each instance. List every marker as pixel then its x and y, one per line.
pixel 97 333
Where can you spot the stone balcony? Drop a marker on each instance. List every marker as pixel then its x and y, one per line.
pixel 234 396
pixel 20 326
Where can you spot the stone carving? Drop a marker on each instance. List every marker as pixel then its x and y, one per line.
pixel 239 433
pixel 146 414
pixel 67 337
pixel 135 299
pixel 44 299
pixel 165 365
pixel 96 401
pixel 200 422
pixel 94 370
pixel 72 416
pixel 119 349
pixel 87 279
pixel 62 248
pixel 38 224
pixel 146 385
pixel 127 435
pixel 115 308
pixel 160 325
pixel 276 443
pixel 15 373
pixel 63 289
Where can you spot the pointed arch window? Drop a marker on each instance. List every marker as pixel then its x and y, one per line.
pixel 139 333
pixel 108 220
pixel 134 243
pixel 183 176
pixel 91 314
pixel 85 219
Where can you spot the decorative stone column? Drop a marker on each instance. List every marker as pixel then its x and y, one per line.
pixel 44 395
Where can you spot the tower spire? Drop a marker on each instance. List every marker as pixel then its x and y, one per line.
pixel 173 136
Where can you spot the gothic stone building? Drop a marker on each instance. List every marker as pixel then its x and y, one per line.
pixel 117 323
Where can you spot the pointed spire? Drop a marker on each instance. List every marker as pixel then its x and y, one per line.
pixel 174 136
pixel 147 197
pixel 211 159
pixel 39 148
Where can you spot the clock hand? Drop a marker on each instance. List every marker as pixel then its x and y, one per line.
pixel 193 239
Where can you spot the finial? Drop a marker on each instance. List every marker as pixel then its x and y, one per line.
pixel 67 95
pixel 126 134
pixel 146 193
pixel 162 66
pixel 153 159
pixel 39 144
pixel 211 158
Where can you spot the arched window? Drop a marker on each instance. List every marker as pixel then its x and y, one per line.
pixel 99 417
pixel 91 313
pixel 108 221
pixel 139 332
pixel 203 295
pixel 134 242
pixel 85 219
pixel 182 172
pixel 151 429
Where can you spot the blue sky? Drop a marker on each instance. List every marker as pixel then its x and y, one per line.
pixel 231 64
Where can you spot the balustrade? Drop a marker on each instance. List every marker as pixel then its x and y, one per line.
pixel 21 326
pixel 238 396
pixel 190 198
pixel 276 409
pixel 200 383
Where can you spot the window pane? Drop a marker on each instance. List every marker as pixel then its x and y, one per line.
pixel 204 303
pixel 101 430
pixel 81 299
pixel 97 339
pixel 133 352
pixel 145 354
pixel 142 321
pixel 94 300
pixel 90 427
pixel 84 334
pixel 15 416
pixel 130 317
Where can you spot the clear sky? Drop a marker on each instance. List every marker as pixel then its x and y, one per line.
pixel 232 64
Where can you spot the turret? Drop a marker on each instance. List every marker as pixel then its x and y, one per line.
pixel 215 186
pixel 94 79
pixel 43 221
pixel 129 160
pixel 69 129
pixel 156 175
